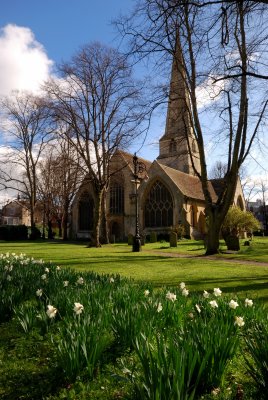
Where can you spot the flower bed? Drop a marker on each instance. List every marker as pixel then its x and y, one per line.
pixel 167 344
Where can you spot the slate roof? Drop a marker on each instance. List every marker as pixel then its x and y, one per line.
pixel 189 185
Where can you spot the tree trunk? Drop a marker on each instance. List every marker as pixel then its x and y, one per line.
pixel 97 219
pixel 59 227
pixel 105 229
pixel 65 220
pixel 214 230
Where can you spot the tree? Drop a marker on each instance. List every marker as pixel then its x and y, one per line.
pixel 237 221
pixel 221 45
pixel 60 176
pixel 218 171
pixel 98 104
pixel 26 127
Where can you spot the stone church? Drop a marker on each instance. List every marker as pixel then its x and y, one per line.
pixel 169 192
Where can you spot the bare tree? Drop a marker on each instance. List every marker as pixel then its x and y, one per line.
pixel 99 104
pixel 221 44
pixel 26 128
pixel 60 176
pixel 218 171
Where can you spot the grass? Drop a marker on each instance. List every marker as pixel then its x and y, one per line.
pixel 29 364
pixel 154 266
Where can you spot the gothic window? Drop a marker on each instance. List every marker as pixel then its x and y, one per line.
pixel 172 146
pixel 116 198
pixel 158 208
pixel 85 212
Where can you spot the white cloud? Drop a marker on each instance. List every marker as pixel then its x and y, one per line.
pixel 24 64
pixel 209 92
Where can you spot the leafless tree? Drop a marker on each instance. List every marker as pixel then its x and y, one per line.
pixel 218 44
pixel 218 171
pixel 99 102
pixel 25 123
pixel 60 176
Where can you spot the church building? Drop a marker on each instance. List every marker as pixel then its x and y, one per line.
pixel 169 192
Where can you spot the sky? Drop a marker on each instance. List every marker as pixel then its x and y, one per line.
pixel 35 35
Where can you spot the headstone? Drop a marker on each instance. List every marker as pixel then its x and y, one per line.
pixel 173 239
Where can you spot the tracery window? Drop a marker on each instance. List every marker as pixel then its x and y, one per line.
pixel 85 212
pixel 116 198
pixel 158 208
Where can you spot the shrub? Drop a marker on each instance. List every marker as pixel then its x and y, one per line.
pixel 35 233
pixel 13 232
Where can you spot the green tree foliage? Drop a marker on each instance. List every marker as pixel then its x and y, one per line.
pixel 237 221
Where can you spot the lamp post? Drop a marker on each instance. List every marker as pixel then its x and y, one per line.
pixel 139 167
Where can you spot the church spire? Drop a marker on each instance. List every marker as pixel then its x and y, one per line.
pixel 178 136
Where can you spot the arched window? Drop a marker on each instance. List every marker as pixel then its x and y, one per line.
pixel 116 198
pixel 158 208
pixel 86 212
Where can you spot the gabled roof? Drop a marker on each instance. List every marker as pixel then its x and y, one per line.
pixel 189 185
pixel 128 158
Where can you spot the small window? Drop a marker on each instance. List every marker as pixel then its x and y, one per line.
pixel 172 146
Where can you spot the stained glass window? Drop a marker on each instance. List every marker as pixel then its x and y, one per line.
pixel 158 208
pixel 116 198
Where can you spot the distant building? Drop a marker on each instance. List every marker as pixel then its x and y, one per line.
pixel 15 212
pixel 260 211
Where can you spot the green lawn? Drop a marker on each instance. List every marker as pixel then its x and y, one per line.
pixel 158 268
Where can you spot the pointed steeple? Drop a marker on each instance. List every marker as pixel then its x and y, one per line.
pixel 174 149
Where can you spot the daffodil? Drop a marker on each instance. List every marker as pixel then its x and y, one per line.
pixel 248 303
pixel 159 307
pixel 198 308
pixel 171 296
pixel 239 321
pixel 185 292
pixel 146 292
pixel 80 280
pixel 78 308
pixel 213 304
pixel 233 304
pixel 51 311
pixel 182 285
pixel 39 292
pixel 217 292
pixel 205 294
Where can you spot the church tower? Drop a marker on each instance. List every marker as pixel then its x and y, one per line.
pixel 178 136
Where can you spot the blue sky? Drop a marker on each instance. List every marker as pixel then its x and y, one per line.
pixel 38 34
pixel 61 26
